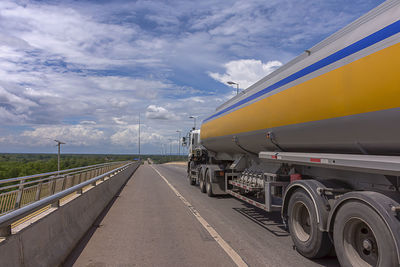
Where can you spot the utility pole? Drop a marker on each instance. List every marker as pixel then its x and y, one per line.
pixel 59 143
pixel 179 142
pixel 170 146
pixel 139 137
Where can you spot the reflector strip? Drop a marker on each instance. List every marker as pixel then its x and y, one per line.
pixel 252 202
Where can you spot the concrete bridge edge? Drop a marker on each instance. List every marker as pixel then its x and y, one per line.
pixel 49 240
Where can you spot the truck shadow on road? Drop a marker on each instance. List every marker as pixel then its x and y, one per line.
pixel 270 221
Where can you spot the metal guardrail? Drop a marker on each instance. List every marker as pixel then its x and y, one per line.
pixel 7 219
pixel 18 192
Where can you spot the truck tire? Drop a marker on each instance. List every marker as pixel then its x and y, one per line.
pixel 202 183
pixel 190 167
pixel 191 181
pixel 303 227
pixel 209 184
pixel 362 238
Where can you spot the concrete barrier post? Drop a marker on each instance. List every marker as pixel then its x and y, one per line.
pixel 19 196
pixel 38 191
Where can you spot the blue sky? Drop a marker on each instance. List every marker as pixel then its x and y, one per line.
pixel 82 71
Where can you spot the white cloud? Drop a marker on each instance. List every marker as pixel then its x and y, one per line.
pixel 197 99
pixel 119 121
pixel 88 122
pixel 11 118
pixel 139 87
pixel 9 100
pixel 74 135
pixel 159 113
pixel 119 102
pixel 129 135
pixel 126 136
pixel 36 93
pixel 245 72
pixel 66 32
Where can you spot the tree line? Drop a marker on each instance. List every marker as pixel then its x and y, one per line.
pixel 17 165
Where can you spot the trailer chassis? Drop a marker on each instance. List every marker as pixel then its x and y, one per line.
pixel 322 213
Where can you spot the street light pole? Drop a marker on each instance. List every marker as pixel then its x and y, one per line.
pixel 193 117
pixel 237 86
pixel 59 143
pixel 179 143
pixel 170 146
pixel 139 137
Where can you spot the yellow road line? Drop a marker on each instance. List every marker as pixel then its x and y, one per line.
pixel 214 234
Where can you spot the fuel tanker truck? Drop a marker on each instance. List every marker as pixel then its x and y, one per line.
pixel 319 141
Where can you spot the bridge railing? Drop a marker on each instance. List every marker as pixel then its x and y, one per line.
pixel 18 192
pixel 53 200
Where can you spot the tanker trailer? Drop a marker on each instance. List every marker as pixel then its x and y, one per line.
pixel 319 140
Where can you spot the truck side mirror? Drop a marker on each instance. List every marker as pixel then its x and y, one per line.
pixel 184 141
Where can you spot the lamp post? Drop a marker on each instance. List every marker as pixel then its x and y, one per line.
pixel 237 86
pixel 179 143
pixel 170 146
pixel 139 137
pixel 59 143
pixel 194 118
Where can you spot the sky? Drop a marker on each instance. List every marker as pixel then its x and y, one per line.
pixel 83 71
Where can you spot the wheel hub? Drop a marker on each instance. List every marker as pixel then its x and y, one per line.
pixel 360 243
pixel 367 244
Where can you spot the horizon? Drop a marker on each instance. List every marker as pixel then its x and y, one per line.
pixel 106 154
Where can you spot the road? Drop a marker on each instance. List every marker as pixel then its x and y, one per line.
pixel 149 225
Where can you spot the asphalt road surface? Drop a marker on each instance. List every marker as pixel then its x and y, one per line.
pixel 149 225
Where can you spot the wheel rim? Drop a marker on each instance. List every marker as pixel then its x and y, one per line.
pixel 301 221
pixel 359 243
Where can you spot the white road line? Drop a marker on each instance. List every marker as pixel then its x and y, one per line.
pixel 225 246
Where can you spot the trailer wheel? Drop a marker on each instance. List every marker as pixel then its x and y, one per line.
pixel 190 167
pixel 202 182
pixel 209 184
pixel 362 238
pixel 302 220
pixel 191 181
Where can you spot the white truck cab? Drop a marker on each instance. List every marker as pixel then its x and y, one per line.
pixel 194 141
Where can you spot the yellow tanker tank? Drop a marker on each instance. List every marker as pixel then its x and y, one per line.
pixel 340 96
